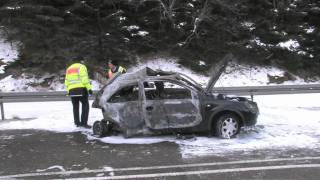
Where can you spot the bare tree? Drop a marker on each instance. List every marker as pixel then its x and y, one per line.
pixel 275 4
pixel 167 10
pixel 203 14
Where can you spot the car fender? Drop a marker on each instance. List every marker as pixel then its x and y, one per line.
pixel 218 112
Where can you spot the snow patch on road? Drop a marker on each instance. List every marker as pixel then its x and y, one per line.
pixel 50 116
pixel 286 121
pixel 137 140
pixel 287 124
pixel 7 137
pixel 51 168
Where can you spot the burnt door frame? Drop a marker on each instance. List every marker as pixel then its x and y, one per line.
pixel 162 117
pixel 153 110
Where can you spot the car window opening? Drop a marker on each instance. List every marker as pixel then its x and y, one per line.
pixel 160 90
pixel 128 93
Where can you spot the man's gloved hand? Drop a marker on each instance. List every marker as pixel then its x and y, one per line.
pixel 90 92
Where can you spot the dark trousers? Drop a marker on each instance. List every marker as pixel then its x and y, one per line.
pixel 85 109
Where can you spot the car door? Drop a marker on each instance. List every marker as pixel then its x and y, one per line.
pixel 125 107
pixel 153 108
pixel 181 105
pixel 172 106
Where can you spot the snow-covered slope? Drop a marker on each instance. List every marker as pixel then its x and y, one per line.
pixel 26 83
pixel 8 53
pixel 235 75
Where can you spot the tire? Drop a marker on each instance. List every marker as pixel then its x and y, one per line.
pixel 100 128
pixel 227 126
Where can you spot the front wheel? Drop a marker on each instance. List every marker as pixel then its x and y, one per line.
pixel 101 128
pixel 227 126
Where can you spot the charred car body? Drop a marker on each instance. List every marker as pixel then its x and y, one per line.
pixel 150 102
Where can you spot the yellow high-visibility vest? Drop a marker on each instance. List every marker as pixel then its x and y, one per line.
pixel 120 70
pixel 77 77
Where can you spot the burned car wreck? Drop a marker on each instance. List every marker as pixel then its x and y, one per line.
pixel 149 102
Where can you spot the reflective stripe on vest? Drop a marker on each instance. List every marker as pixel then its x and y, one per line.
pixel 74 71
pixel 77 77
pixel 75 81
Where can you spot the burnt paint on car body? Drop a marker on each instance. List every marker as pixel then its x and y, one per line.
pixel 136 109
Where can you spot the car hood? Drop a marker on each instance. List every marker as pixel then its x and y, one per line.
pixel 217 70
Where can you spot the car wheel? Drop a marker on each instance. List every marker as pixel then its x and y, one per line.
pixel 100 128
pixel 227 126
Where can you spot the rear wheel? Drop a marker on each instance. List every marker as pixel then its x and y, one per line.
pixel 101 128
pixel 227 126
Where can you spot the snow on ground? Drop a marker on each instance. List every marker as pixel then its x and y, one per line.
pixel 235 75
pixel 26 83
pixel 169 65
pixel 286 121
pixel 291 45
pixel 52 167
pixel 8 53
pixel 51 116
pixel 244 75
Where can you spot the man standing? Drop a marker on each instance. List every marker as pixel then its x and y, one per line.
pixel 114 69
pixel 79 86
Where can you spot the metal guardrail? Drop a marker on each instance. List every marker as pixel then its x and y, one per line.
pixel 241 91
pixel 35 96
pixel 11 97
pixel 268 90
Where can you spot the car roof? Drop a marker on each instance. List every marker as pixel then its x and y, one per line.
pixel 147 74
pixel 144 74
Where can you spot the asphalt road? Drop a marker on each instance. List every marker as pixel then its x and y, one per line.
pixel 31 154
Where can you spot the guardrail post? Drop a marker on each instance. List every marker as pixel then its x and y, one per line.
pixel 2 110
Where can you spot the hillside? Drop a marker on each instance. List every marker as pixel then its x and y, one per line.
pixel 234 75
pixel 284 34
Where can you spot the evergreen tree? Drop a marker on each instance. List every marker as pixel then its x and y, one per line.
pixel 53 32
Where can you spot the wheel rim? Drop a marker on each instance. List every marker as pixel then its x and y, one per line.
pixel 97 129
pixel 229 127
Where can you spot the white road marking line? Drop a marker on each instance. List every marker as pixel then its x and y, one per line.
pixel 218 171
pixel 158 167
